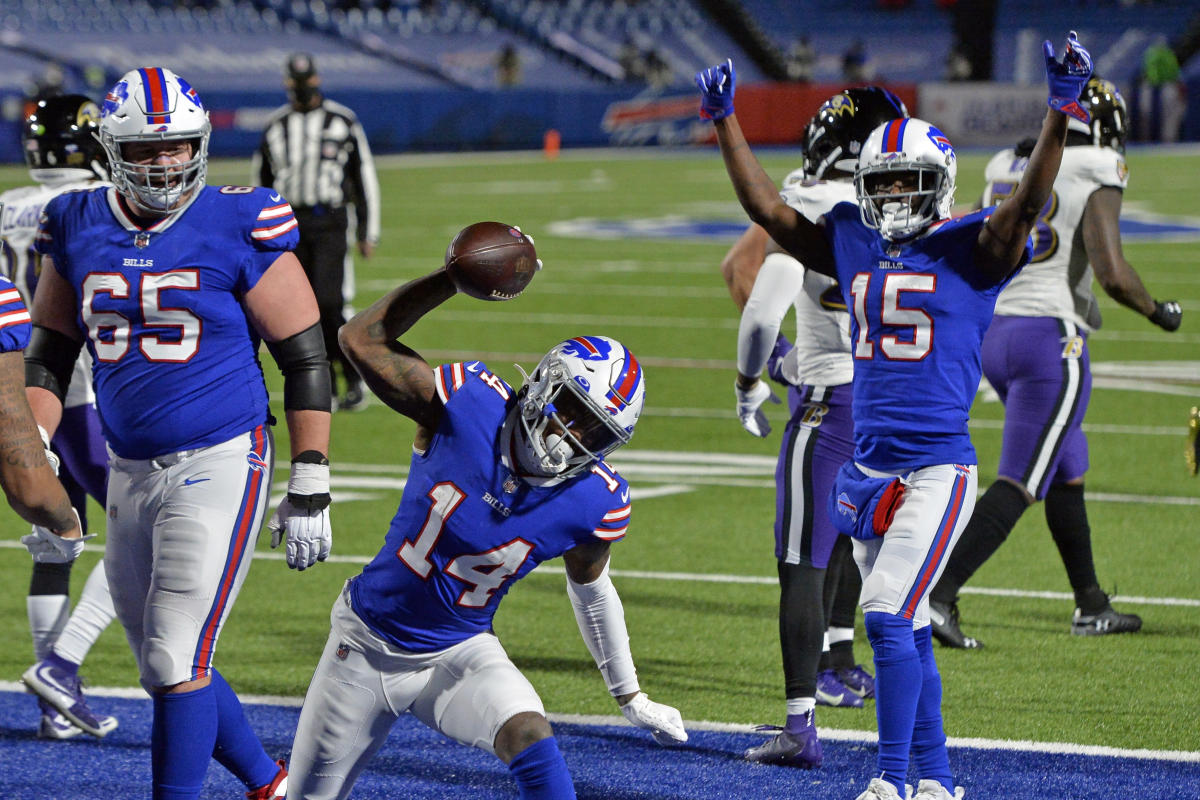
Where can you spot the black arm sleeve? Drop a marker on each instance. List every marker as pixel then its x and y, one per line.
pixel 50 360
pixel 301 359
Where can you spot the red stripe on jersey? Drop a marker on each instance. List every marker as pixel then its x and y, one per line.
pixel 610 535
pixel 262 234
pixel 14 318
pixel 274 212
pixel 439 383
pixel 9 296
pixel 618 513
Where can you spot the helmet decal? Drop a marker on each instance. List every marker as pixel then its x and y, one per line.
pixel 625 385
pixel 589 348
pixel 893 135
pixel 158 106
pixel 116 96
pixel 940 141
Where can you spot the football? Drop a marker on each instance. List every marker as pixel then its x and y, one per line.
pixel 491 261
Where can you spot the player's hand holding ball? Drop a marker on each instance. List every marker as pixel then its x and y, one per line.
pixel 664 721
pixel 1068 77
pixel 303 516
pixel 492 261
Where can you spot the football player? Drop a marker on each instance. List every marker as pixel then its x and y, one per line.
pixel 1035 355
pixel 813 561
pixel 921 289
pixel 172 284
pixel 500 480
pixel 63 154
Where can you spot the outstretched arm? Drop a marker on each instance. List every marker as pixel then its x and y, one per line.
pixel 1002 240
pixel 755 190
pixel 601 620
pixel 396 373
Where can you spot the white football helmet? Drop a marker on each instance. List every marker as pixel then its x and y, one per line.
pixel 153 105
pixel 922 159
pixel 580 404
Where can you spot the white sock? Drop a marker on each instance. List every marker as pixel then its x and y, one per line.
pixel 800 705
pixel 837 635
pixel 91 616
pixel 47 616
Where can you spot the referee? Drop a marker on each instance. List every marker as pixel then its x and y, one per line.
pixel 314 153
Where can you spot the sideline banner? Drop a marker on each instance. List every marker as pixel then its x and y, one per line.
pixel 982 114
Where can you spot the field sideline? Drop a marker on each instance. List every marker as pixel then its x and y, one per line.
pixel 632 243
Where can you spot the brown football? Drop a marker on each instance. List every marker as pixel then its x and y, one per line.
pixel 491 261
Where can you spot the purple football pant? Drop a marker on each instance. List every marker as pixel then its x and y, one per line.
pixel 818 439
pixel 80 443
pixel 1041 370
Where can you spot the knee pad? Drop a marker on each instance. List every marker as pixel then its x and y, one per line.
pixel 160 666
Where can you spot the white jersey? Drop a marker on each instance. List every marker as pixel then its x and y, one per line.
pixel 21 210
pixel 1057 282
pixel 821 356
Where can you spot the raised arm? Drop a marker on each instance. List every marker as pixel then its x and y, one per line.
pixel 396 373
pixel 1120 281
pixel 754 188
pixel 1002 239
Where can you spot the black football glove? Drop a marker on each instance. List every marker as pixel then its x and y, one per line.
pixel 1167 315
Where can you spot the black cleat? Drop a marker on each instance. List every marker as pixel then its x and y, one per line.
pixel 1107 621
pixel 944 617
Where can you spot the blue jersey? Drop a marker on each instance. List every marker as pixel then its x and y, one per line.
pixel 919 311
pixel 468 528
pixel 175 359
pixel 15 327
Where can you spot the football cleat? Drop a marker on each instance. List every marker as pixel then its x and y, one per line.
pixel 276 789
pixel 1107 621
pixel 944 620
pixel 879 789
pixel 1192 454
pixel 857 680
pixel 932 790
pixel 54 725
pixel 64 692
pixel 832 692
pixel 789 749
pixel 353 400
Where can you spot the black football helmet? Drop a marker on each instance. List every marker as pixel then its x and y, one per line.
pixel 1110 118
pixel 836 132
pixel 59 140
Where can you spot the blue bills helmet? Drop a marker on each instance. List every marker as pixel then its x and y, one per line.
pixel 580 404
pixel 154 104
pixel 918 157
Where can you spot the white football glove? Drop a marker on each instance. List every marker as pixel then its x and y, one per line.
pixel 48 547
pixel 303 515
pixel 749 407
pixel 663 721
pixel 51 456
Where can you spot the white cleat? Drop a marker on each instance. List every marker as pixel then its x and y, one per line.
pixel 932 790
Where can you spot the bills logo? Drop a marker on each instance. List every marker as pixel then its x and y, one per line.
pixel 190 93
pixel 846 507
pixel 115 97
pixel 940 141
pixel 587 348
pixel 256 462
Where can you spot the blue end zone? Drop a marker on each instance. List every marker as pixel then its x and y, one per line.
pixel 613 762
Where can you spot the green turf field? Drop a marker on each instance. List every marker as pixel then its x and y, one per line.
pixel 706 507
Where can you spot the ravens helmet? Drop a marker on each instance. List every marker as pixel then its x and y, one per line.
pixel 1110 118
pixel 59 140
pixel 835 134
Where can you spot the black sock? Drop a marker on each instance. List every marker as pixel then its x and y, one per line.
pixel 801 627
pixel 1066 515
pixel 995 515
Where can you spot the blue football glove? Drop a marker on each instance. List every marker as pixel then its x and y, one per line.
pixel 1068 77
pixel 775 361
pixel 716 90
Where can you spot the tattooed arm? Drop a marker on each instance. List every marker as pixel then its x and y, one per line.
pixel 395 372
pixel 28 481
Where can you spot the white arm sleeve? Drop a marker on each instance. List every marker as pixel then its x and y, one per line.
pixel 779 281
pixel 601 620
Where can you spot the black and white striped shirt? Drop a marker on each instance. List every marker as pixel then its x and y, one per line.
pixel 321 158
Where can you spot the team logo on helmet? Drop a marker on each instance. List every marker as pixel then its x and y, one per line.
pixel 588 348
pixel 190 93
pixel 840 104
pixel 88 114
pixel 940 141
pixel 115 97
